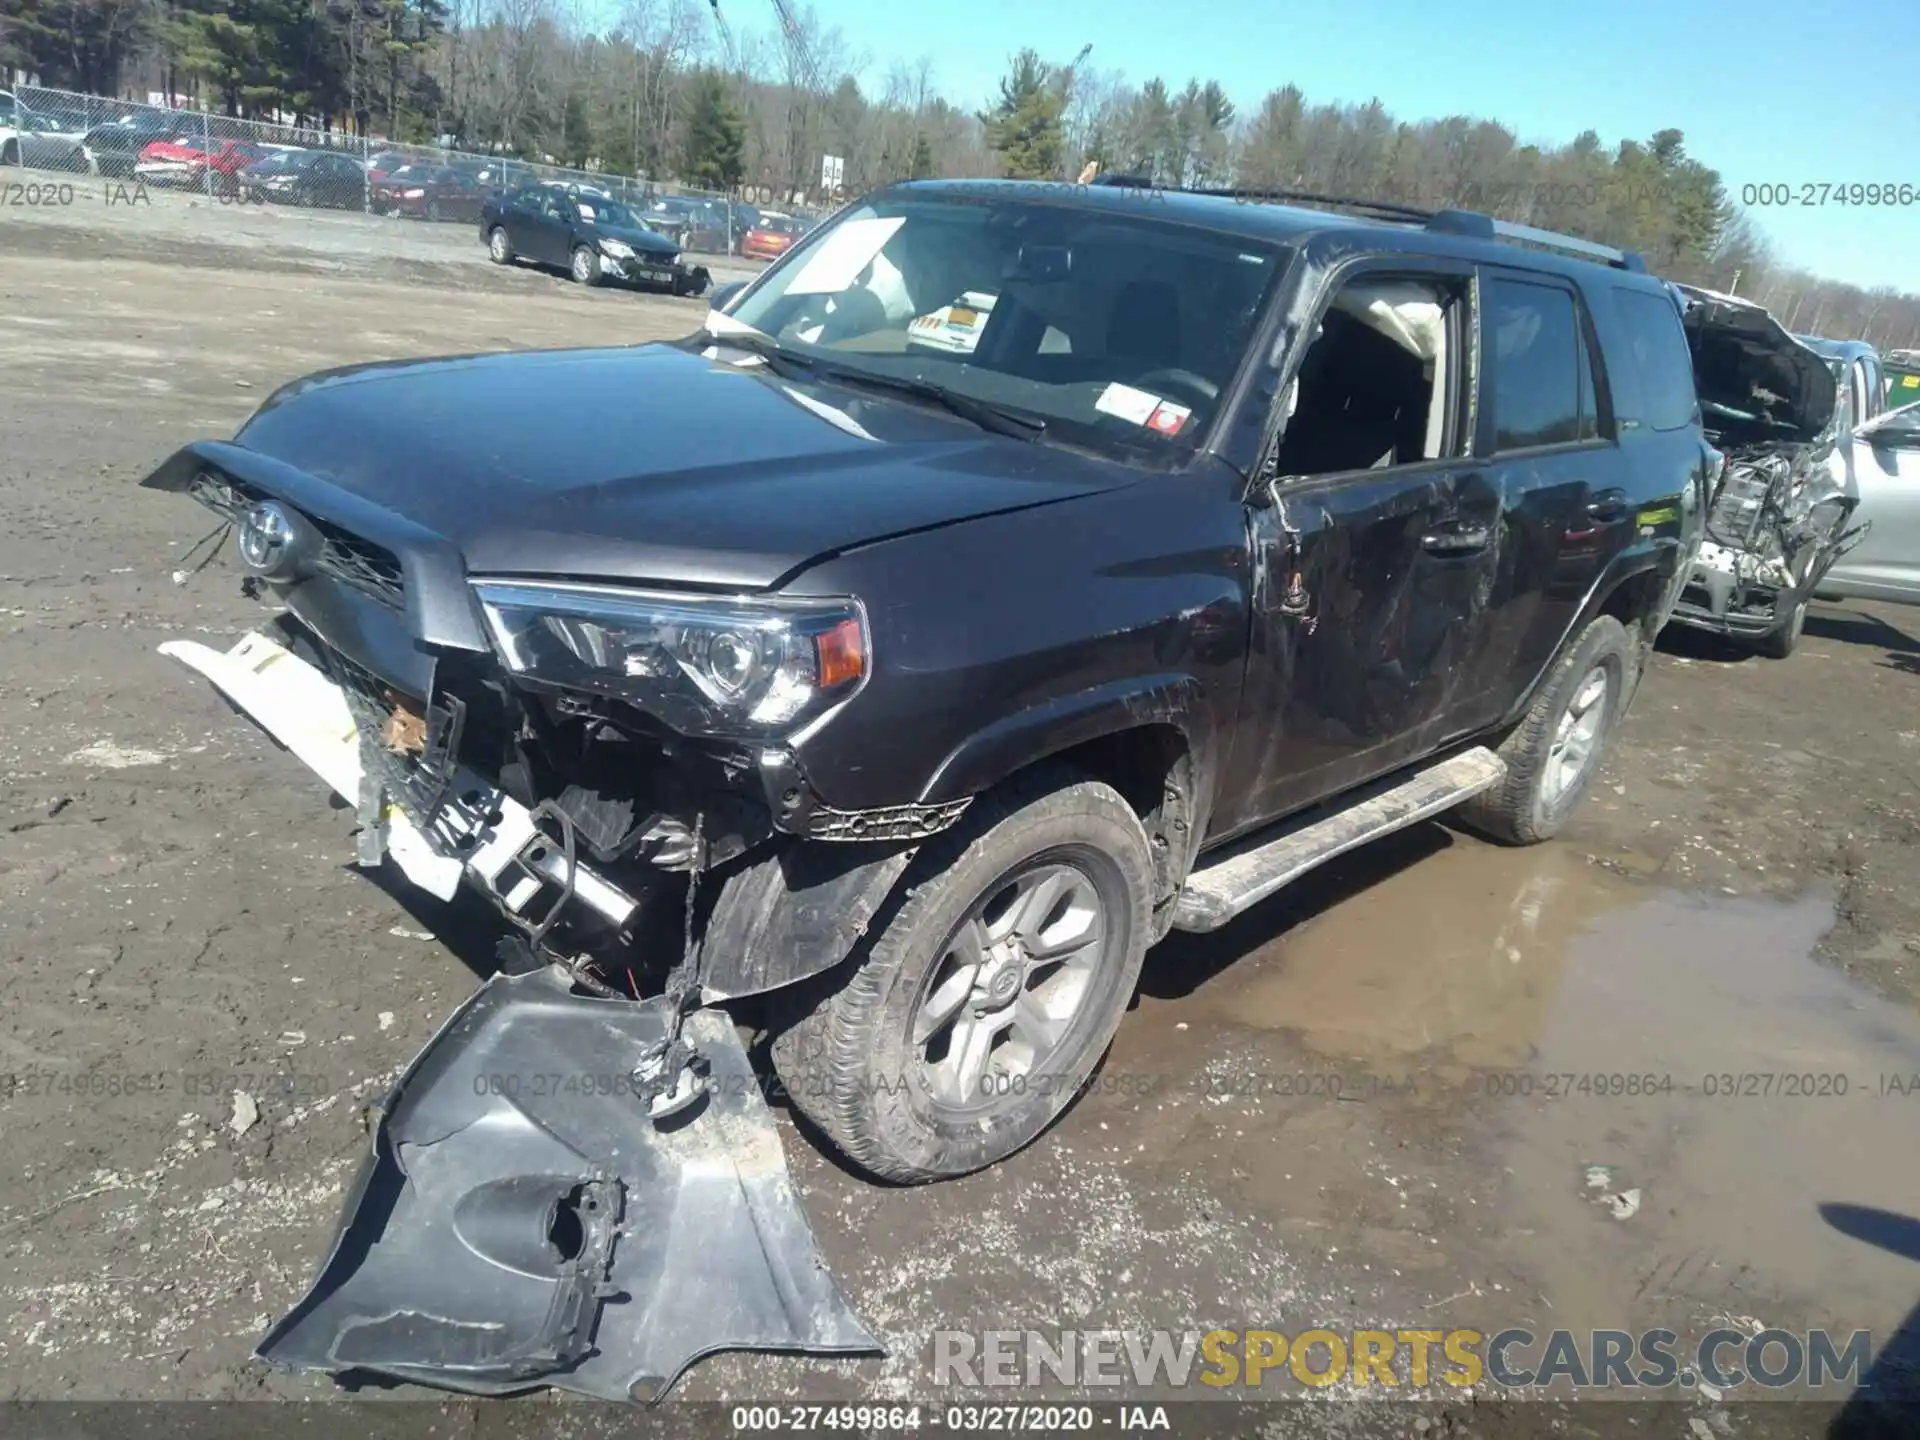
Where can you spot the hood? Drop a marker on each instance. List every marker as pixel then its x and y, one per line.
pixel 1756 382
pixel 647 242
pixel 650 463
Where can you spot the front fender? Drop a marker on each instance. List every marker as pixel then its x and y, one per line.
pixel 1015 741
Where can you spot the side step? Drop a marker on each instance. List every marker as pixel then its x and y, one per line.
pixel 1250 870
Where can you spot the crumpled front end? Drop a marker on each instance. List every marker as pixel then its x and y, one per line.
pixel 1779 520
pixel 1781 513
pixel 525 1221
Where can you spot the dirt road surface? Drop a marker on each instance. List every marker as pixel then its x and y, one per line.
pixel 1372 1102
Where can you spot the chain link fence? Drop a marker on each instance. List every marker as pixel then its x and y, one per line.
pixel 54 137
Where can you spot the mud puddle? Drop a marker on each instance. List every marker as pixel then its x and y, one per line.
pixel 1660 1095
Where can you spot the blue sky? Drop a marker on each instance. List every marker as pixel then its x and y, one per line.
pixel 1786 91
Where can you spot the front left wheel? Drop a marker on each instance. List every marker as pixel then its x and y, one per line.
pixel 586 265
pixel 975 1012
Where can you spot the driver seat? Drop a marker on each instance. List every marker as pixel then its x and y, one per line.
pixel 1143 332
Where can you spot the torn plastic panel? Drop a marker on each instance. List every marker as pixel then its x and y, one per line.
pixel 522 1221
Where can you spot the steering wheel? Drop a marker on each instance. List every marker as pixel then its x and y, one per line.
pixel 1195 389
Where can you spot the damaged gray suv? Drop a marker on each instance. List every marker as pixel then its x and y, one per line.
pixel 1008 576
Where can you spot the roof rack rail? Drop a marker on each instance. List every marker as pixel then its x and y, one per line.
pixel 1484 227
pixel 1386 209
pixel 1469 223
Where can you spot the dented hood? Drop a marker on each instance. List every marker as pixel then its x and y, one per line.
pixel 523 1222
pixel 1756 381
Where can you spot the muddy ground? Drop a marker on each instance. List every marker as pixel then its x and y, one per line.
pixel 1372 1102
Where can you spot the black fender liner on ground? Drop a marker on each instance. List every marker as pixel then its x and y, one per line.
pixel 523 1222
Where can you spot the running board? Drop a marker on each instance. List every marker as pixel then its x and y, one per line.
pixel 1250 870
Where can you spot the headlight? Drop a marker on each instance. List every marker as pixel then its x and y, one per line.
pixel 705 666
pixel 619 249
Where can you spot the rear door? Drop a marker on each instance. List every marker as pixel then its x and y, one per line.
pixel 1548 438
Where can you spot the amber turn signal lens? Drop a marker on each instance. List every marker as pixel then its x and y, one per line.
pixel 842 655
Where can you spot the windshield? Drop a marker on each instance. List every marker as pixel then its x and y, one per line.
pixel 1116 330
pixel 604 212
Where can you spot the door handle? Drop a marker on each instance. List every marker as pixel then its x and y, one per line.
pixel 1454 538
pixel 1607 507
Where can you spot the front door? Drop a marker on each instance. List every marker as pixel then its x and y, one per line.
pixel 1375 546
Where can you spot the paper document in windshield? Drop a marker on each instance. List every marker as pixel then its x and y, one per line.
pixel 837 260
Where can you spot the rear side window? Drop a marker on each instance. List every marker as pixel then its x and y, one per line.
pixel 1657 350
pixel 1541 383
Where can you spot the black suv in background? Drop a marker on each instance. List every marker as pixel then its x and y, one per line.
pixel 1008 575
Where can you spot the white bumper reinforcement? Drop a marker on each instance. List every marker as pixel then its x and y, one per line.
pixel 508 858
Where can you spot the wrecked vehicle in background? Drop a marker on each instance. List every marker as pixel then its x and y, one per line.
pixel 897 696
pixel 1782 513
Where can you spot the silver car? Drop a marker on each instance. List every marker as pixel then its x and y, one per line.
pixel 37 141
pixel 1884 456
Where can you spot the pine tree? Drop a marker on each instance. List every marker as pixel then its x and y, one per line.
pixel 1027 128
pixel 713 156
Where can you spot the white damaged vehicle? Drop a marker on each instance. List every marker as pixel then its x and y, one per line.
pixel 1783 510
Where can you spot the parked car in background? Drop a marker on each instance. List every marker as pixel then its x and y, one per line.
pixel 189 160
pixel 39 142
pixel 499 176
pixel 316 178
pixel 429 192
pixel 383 163
pixel 771 237
pixel 1782 409
pixel 1882 462
pixel 1901 370
pixel 113 149
pixel 592 238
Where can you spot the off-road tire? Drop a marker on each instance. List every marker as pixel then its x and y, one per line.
pixel 841 1044
pixel 1519 811
pixel 499 248
pixel 1781 641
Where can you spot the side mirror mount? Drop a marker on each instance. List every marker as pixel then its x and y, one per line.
pixel 723 295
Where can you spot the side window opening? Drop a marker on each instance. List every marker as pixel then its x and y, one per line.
pixel 1374 387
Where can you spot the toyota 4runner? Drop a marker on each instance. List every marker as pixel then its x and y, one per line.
pixel 1009 575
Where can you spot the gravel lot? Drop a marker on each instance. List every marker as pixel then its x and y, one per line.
pixel 179 918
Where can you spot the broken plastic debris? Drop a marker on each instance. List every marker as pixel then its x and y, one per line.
pixel 246 1114
pixel 386 1019
pixel 1623 1206
pixel 293 1037
pixel 1600 1176
pixel 405 934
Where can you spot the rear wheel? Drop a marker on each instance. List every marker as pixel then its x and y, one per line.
pixel 10 153
pixel 498 250
pixel 433 210
pixel 975 1013
pixel 586 266
pixel 1553 754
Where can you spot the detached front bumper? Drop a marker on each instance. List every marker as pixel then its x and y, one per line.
pixel 534 1212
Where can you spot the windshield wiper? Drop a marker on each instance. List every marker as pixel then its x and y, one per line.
pixel 982 413
pixel 780 360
